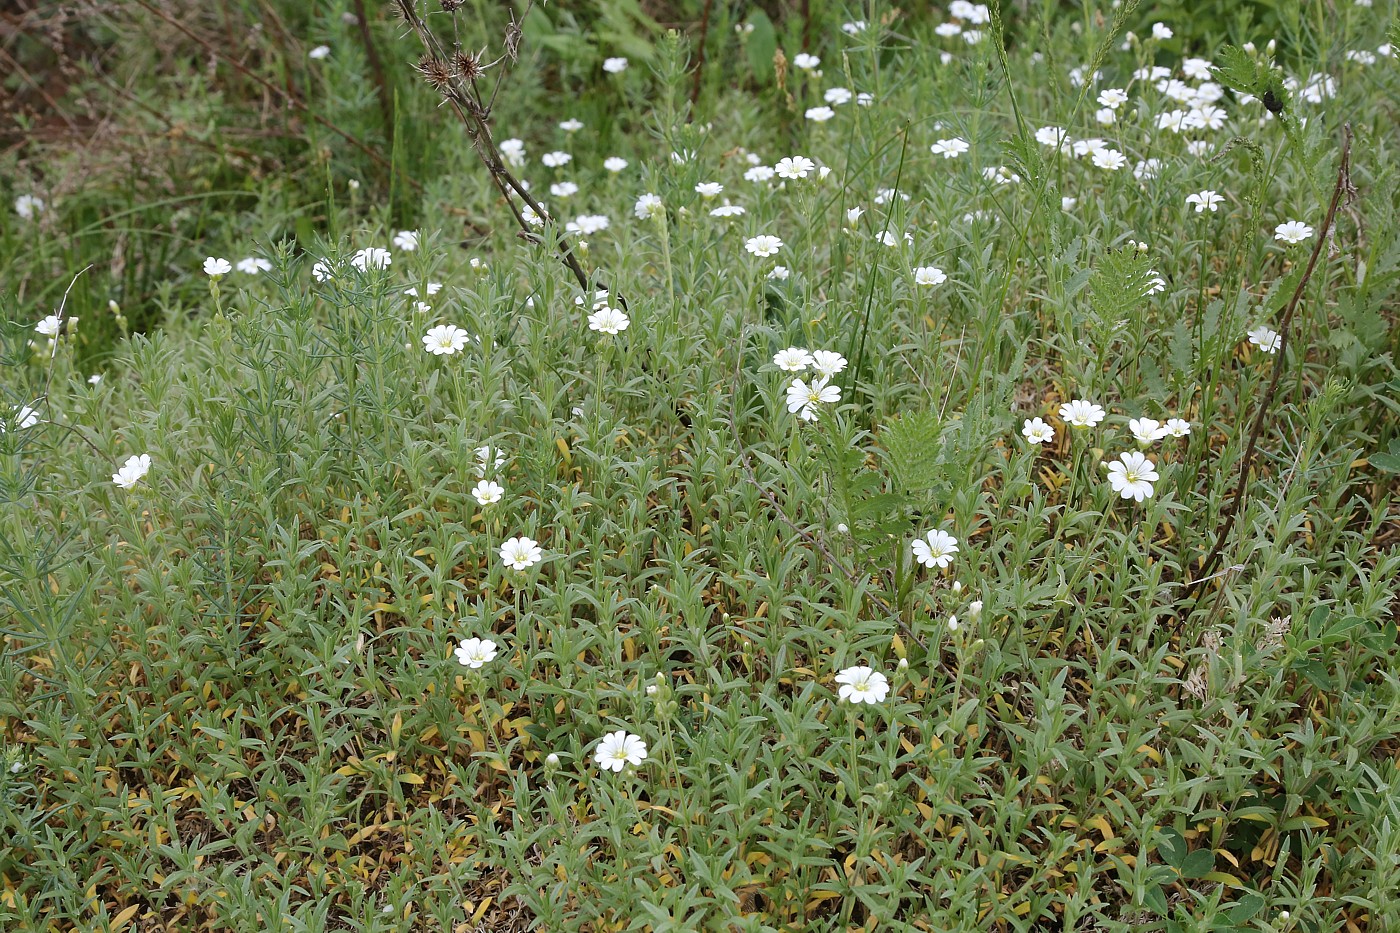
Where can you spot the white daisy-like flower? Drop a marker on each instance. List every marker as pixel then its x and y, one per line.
pixel 1110 159
pixel 1081 413
pixel 837 96
pixel 792 360
pixel 406 240
pixel 728 210
pixel 563 189
pixel 1177 427
pixel 649 206
pixel 1113 98
pixel 374 257
pixel 586 224
pixel 819 114
pixel 759 173
pixel 619 749
pixel 935 549
pixel 779 273
pixel 28 206
pixel 1147 430
pixel 806 62
pixel 445 340
pixel 26 417
pixel 827 363
pixel 322 271
pixel 485 461
pixel 556 159
pixel 521 553
pixel 794 167
pixel 131 472
pixel 607 320
pixel 950 148
pixel 1266 338
pixel 929 276
pixel 863 685
pixel 1052 136
pixel 763 246
pixel 615 66
pixel 253 265
pixel 1293 231
pixel 216 266
pixel 475 652
pixel 49 326
pixel 513 151
pixel 803 398
pixel 319 52
pixel 614 164
pixel 1132 476
pixel 487 492
pixel 1207 200
pixel 1036 431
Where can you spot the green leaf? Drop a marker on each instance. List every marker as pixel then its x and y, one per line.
pixel 1246 908
pixel 1389 460
pixel 1236 69
pixel 1197 864
pixel 1155 900
pixel 912 443
pixel 761 44
pixel 1314 673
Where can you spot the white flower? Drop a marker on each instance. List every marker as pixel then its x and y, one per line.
pixel 1081 413
pixel 319 52
pixel 1161 31
pixel 25 417
pixel 1294 231
pixel 608 320
pixel 513 151
pixel 759 173
pixel 27 206
pixel 709 189
pixel 556 159
pixel 615 66
pixel 805 62
pixel 619 749
pixel 614 164
pixel 792 360
pixel 1113 98
pixel 1147 430
pixel 1265 338
pixel 853 214
pixel 929 275
pixel 588 224
pixel 1147 168
pixel 432 288
pixel 1051 136
pixel 863 685
pixel 1206 200
pixel 563 189
pixel 487 492
pixel 1067 203
pixel 406 240
pixel 865 98
pixel 935 549
pixel 763 246
pixel 484 460
pixel 779 273
pixel 853 28
pixel 1110 159
pixel 794 167
pixel 475 652
pixel 649 206
pixel 947 30
pixel 1106 115
pixel 95 379
pixel 827 363
pixel 1177 427
pixel 1037 431
pixel 974 609
pixel 49 326
pixel 521 553
pixel 131 472
pixel 1132 476
pixel 819 114
pixel 1086 147
pixel 374 257
pixel 803 399
pixel 445 340
pixel 728 210
pixel 1001 174
pixel 950 148
pixel 837 96
pixel 216 266
pixel 321 270
pixel 253 265
pixel 571 125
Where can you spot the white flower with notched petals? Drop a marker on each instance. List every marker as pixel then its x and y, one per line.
pixel 445 340
pixel 216 266
pixel 1081 413
pixel 586 224
pixel 727 210
pixel 475 652
pixel 649 206
pixel 1207 200
pixel 406 240
pixel 608 321
pixel 1177 427
pixel 563 189
pixel 1113 98
pixel 1052 136
pixel 803 399
pixel 819 114
pixel 513 151
pixel 950 148
pixel 827 363
pixel 322 271
pixel 1161 31
pixel 853 214
pixel 556 159
pixel 131 472
pixel 615 66
pixel 1132 476
pixel 792 360
pixel 709 189
pixel 319 52
pixel 619 749
pixel 935 549
pixel 374 257
pixel 806 62
pixel 521 553
pixel 485 461
pixel 614 164
pixel 863 685
pixel 487 492
pixel 253 265
pixel 1036 431
pixel 794 167
pixel 929 276
pixel 779 273
pixel 49 326
pixel 763 246
pixel 1110 159
pixel 837 96
pixel 26 417
pixel 1294 231
pixel 27 206
pixel 759 173
pixel 1147 430
pixel 1265 338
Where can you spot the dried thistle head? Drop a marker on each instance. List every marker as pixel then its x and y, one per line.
pixel 405 11
pixel 436 72
pixel 451 6
pixel 467 66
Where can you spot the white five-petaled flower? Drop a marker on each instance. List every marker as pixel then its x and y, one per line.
pixel 521 553
pixel 709 189
pixel 445 340
pixel 131 472
pixel 619 749
pixel 819 114
pixel 321 270
pixel 792 360
pixel 1207 200
pixel 485 462
pixel 614 164
pixel 406 240
pixel 213 265
pixel 49 326
pixel 27 206
pixel 803 399
pixel 1294 231
pixel 805 62
pixel 794 167
pixel 1037 431
pixel 1132 476
pixel 1147 430
pixel 608 321
pixel 253 265
pixel 556 159
pixel 571 125
pixel 929 275
pixel 23 417
pixel 475 652
pixel 1110 159
pixel 1177 427
pixel 728 210
pixel 1265 338
pixel 863 685
pixel 827 363
pixel 615 66
pixel 950 148
pixel 649 206
pixel 487 492
pixel 1081 413
pixel 935 549
pixel 764 245
pixel 319 52
pixel 373 257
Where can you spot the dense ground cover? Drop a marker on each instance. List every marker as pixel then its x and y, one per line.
pixel 861 545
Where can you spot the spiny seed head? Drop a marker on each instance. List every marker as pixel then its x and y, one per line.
pixel 404 8
pixel 436 72
pixel 466 65
pixel 451 6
